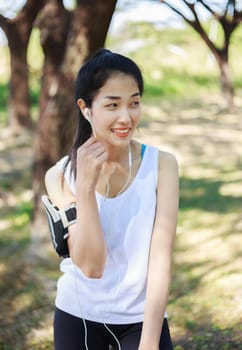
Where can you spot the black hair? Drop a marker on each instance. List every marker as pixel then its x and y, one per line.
pixel 90 79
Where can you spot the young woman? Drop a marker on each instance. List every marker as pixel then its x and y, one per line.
pixel 115 284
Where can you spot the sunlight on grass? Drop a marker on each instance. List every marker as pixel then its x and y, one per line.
pixel 20 220
pixel 5 224
pixel 15 229
pixel 181 114
pixel 21 302
pixel 206 287
pixel 207 263
pixel 205 303
pixel 231 189
pixel 3 268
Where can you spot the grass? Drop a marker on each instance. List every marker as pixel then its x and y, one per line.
pixel 205 309
pixel 205 301
pixel 181 64
pixel 182 114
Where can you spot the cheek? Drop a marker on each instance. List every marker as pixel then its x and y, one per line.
pixel 98 116
pixel 102 121
pixel 136 116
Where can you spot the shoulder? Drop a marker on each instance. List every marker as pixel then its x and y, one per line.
pixel 52 174
pixel 57 187
pixel 57 169
pixel 167 161
pixel 168 185
pixel 53 179
pixel 168 172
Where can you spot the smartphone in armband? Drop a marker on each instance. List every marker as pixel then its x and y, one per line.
pixel 59 220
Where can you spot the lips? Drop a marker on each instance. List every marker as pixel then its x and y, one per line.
pixel 121 132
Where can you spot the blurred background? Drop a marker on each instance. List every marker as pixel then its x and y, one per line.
pixel 190 55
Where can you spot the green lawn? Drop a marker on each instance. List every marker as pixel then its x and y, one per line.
pixel 182 113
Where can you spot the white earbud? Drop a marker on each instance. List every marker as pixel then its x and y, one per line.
pixel 87 115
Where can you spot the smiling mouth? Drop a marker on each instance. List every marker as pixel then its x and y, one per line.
pixel 121 132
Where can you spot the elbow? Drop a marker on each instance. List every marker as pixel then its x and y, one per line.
pixel 91 272
pixel 91 265
pixel 95 274
pixel 94 271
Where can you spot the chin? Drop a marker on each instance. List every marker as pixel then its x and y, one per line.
pixel 122 141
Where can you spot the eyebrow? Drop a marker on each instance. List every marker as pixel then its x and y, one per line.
pixel 119 98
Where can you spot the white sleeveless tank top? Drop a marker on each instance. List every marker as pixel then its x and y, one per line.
pixel 127 221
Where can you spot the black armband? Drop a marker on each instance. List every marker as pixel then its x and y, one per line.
pixel 59 220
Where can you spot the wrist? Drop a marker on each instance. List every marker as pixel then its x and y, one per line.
pixel 84 190
pixel 148 347
pixel 149 340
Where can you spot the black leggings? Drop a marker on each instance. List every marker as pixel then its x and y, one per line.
pixel 73 333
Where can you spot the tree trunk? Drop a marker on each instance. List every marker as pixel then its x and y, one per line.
pixel 19 96
pixel 18 32
pixel 226 83
pixel 229 20
pixel 78 34
pixel 222 58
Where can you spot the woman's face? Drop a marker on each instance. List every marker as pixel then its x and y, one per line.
pixel 116 110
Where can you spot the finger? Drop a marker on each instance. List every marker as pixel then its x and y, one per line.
pixel 96 149
pixel 92 142
pixel 95 154
pixel 89 142
pixel 88 147
pixel 99 152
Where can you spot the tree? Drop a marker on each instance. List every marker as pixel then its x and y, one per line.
pixel 17 31
pixel 229 15
pixel 68 38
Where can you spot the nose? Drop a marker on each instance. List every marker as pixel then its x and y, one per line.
pixel 124 115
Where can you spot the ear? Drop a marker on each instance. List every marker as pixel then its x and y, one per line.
pixel 82 106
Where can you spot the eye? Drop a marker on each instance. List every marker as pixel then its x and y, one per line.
pixel 135 103
pixel 112 105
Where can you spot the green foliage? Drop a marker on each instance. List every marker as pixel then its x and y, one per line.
pixel 4 90
pixel 35 59
pixel 179 84
pixel 16 235
pixel 176 63
pixel 3 96
pixel 34 95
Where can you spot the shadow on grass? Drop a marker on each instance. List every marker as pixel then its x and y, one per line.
pixel 204 194
pixel 25 304
pixel 210 337
pixel 206 254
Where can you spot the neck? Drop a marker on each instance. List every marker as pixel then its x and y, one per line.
pixel 121 166
pixel 119 156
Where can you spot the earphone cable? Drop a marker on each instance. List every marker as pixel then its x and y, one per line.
pixel 128 178
pixel 114 336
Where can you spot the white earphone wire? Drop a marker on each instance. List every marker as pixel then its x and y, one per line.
pixel 119 346
pixel 128 178
pixel 85 328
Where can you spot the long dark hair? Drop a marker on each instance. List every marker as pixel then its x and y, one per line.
pixel 90 79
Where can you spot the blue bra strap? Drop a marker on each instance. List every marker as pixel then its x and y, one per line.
pixel 143 147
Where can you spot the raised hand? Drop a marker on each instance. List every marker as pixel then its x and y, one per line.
pixel 90 159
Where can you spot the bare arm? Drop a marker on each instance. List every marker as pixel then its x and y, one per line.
pixel 60 195
pixel 160 260
pixel 86 241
